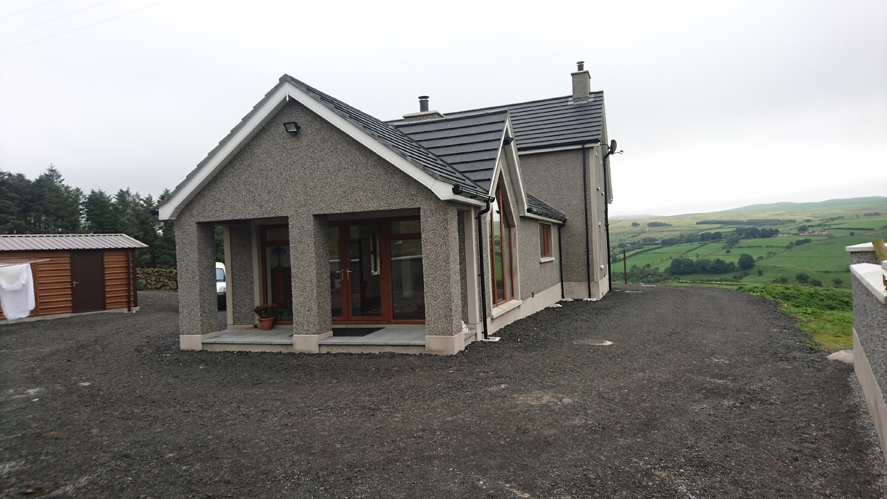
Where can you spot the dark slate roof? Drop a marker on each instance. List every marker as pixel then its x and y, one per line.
pixel 556 122
pixel 469 144
pixel 537 207
pixel 40 242
pixel 392 138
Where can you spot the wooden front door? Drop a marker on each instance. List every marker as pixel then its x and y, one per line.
pixel 375 270
pixel 87 281
pixel 277 279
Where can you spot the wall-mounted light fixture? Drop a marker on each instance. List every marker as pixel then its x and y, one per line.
pixel 292 127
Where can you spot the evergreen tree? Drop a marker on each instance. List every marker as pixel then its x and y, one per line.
pixel 54 207
pixel 15 193
pixel 164 247
pixel 99 213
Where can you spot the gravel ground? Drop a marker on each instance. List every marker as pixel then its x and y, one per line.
pixel 703 393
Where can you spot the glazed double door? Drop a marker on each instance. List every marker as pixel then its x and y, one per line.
pixel 375 276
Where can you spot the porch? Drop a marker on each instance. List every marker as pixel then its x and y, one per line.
pixel 361 338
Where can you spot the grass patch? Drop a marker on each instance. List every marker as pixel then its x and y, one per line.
pixel 826 314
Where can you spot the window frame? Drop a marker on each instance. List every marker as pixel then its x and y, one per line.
pixel 505 232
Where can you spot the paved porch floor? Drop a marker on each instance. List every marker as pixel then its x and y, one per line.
pixel 389 335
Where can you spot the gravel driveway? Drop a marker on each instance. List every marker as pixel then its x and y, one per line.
pixel 703 393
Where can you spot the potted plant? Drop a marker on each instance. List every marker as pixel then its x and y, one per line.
pixel 267 313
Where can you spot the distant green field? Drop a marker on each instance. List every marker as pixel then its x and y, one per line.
pixel 824 257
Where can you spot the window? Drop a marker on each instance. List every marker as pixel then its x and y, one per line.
pixel 501 250
pixel 544 240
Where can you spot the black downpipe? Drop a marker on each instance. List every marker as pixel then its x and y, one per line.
pixel 607 219
pixel 560 256
pixel 480 256
pixel 587 247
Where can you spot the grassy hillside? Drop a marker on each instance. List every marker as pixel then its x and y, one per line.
pixel 653 243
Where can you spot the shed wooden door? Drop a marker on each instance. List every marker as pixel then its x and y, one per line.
pixel 87 281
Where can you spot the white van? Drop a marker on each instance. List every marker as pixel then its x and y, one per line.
pixel 221 284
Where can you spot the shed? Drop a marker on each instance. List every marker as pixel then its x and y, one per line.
pixel 76 273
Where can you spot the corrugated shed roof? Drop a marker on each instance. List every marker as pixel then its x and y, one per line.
pixel 41 242
pixel 537 207
pixel 556 122
pixel 469 144
pixel 393 138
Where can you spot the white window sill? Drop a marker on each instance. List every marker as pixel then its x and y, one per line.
pixel 506 307
pixel 546 259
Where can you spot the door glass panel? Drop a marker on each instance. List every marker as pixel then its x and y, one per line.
pixel 406 227
pixel 365 279
pixel 332 238
pixel 278 278
pixel 496 230
pixel 407 280
pixel 277 234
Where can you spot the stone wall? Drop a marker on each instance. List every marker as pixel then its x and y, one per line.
pixel 165 279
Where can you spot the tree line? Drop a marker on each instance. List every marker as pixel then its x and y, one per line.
pixel 752 221
pixel 46 205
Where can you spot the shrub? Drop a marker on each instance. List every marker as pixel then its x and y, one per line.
pixel 816 282
pixel 837 281
pixel 804 297
pixel 802 278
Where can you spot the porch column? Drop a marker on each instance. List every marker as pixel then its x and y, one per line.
pixel 443 294
pixel 471 269
pixel 198 303
pixel 241 278
pixel 312 319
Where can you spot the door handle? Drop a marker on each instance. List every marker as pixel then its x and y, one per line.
pixel 75 283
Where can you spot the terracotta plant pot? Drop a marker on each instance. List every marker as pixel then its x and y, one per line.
pixel 266 324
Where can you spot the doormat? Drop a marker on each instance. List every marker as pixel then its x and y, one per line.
pixel 354 331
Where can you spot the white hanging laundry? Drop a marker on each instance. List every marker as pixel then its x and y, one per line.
pixel 16 291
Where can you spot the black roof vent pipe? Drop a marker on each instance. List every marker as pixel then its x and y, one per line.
pixel 423 103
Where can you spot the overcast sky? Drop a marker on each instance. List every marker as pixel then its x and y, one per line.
pixel 716 104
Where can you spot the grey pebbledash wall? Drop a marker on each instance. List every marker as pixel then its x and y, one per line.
pixel 870 341
pixel 556 178
pixel 870 323
pixel 304 178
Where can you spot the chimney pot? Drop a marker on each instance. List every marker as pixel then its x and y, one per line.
pixel 423 103
pixel 580 65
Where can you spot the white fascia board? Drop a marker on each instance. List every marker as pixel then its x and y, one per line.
pixel 174 205
pixel 170 209
pixel 443 190
pixel 514 163
pixel 540 217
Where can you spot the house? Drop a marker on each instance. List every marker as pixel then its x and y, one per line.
pixel 75 273
pixel 407 228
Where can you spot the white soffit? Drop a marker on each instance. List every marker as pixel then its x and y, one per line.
pixel 251 126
